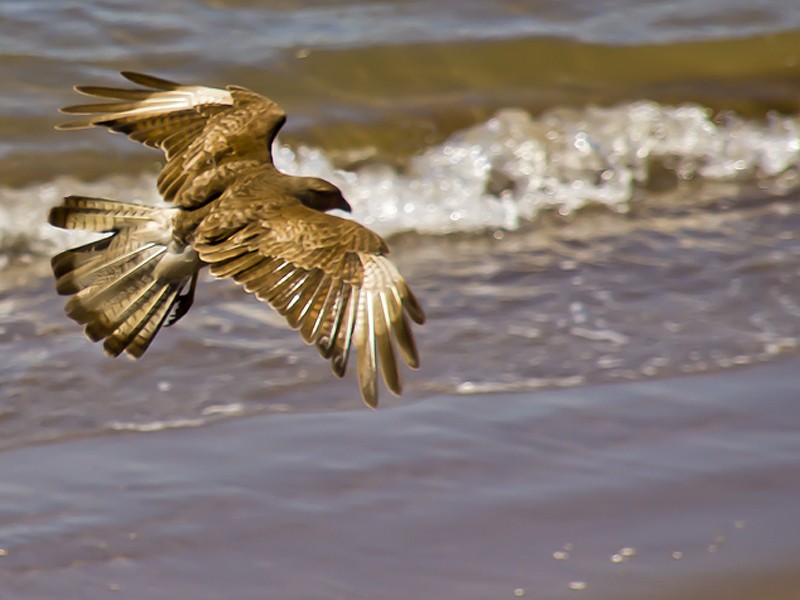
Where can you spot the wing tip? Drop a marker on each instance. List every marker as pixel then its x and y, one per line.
pixel 83 90
pixel 370 397
pixel 413 307
pixel 150 81
pixel 70 125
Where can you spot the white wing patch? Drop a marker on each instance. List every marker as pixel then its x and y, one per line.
pixel 198 95
pixel 379 319
pixel 183 98
pixel 157 103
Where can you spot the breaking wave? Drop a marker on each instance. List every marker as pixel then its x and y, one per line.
pixel 494 175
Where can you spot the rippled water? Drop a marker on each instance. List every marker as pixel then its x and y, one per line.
pixel 580 193
pixel 671 289
pixel 558 246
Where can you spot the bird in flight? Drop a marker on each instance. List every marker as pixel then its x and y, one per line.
pixel 229 209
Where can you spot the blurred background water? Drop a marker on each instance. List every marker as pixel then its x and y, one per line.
pixel 580 193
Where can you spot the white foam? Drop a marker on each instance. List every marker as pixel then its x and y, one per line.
pixel 154 426
pixel 564 160
pixel 494 175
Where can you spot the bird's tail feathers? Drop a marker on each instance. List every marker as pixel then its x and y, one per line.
pixel 118 285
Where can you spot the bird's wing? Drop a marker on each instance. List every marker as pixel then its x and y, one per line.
pixel 208 135
pixel 328 276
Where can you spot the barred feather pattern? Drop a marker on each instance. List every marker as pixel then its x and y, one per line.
pixel 232 210
pixel 119 288
pixel 360 300
pixel 208 135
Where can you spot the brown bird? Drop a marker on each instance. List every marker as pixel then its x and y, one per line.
pixel 229 209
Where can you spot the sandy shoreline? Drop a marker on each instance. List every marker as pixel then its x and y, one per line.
pixel 463 498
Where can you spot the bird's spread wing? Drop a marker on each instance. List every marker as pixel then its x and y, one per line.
pixel 207 134
pixel 328 276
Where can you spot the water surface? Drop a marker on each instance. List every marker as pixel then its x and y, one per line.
pixel 597 204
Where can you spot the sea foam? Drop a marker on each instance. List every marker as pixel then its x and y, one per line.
pixel 494 175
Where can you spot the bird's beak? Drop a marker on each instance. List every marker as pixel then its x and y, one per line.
pixel 343 205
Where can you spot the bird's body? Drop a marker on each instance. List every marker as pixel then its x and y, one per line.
pixel 230 209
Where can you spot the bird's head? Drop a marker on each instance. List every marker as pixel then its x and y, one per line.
pixel 321 195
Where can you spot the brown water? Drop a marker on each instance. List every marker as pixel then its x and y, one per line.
pixel 685 488
pixel 597 204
